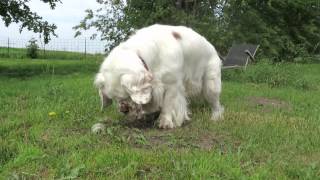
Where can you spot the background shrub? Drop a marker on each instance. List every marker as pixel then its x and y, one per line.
pixel 32 48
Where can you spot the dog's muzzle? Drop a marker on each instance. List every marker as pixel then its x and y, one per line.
pixel 130 109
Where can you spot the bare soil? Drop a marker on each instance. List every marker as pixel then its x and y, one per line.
pixel 268 102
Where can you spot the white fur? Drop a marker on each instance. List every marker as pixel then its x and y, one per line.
pixel 181 64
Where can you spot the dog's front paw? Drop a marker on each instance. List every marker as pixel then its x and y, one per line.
pixel 166 124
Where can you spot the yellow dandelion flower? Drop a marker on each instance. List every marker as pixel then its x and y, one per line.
pixel 51 114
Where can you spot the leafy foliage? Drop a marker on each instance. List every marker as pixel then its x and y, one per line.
pixel 15 11
pixel 32 48
pixel 284 29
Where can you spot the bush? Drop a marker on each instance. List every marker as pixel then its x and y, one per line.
pixel 32 48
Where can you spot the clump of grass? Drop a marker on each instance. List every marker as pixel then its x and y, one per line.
pixel 274 75
pixel 8 151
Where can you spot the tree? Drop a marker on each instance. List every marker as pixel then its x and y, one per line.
pixel 117 19
pixel 17 11
pixel 285 29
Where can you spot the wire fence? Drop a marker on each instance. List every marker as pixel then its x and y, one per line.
pixel 57 48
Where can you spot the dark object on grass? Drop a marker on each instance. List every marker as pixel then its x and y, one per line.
pixel 146 121
pixel 239 56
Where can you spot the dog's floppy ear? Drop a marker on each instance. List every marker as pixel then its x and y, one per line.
pixel 148 77
pixel 138 86
pixel 105 101
pixel 99 83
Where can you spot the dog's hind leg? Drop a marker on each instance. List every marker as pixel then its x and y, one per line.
pixel 212 89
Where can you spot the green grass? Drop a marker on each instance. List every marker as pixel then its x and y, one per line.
pixel 21 53
pixel 270 129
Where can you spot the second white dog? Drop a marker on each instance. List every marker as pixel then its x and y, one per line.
pixel 159 67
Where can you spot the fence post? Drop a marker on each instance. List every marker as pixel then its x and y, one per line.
pixel 8 47
pixel 44 50
pixel 85 47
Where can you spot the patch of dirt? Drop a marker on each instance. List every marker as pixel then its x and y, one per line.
pixel 168 139
pixel 144 134
pixel 76 130
pixel 268 102
pixel 146 170
pixel 44 173
pixel 207 142
pixel 159 140
pixel 45 136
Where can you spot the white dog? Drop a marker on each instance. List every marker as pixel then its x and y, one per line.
pixel 158 68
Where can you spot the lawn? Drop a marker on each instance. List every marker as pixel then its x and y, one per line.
pixel 21 53
pixel 270 130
